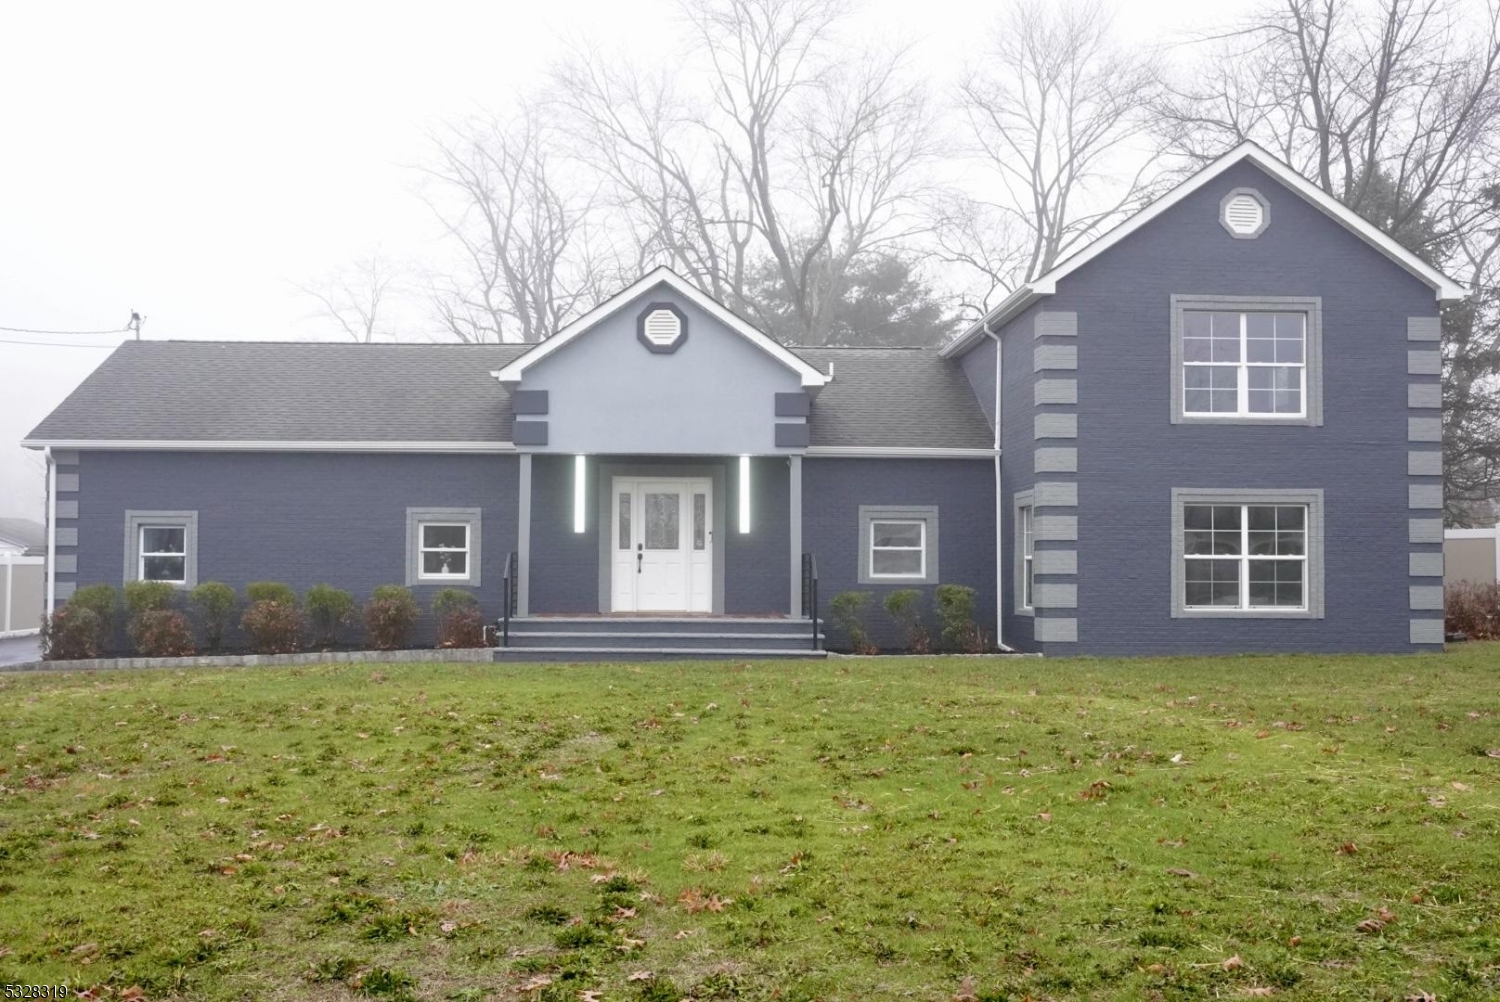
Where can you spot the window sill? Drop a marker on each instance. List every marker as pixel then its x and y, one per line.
pixel 1028 613
pixel 1244 614
pixel 1273 419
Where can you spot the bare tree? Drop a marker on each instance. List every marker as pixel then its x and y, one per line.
pixel 1471 384
pixel 1058 114
pixel 1382 104
pixel 802 152
pixel 357 298
pixel 529 256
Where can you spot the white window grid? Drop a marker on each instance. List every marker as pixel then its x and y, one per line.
pixel 178 554
pixel 920 548
pixel 1028 557
pixel 424 549
pixel 1242 368
pixel 1245 558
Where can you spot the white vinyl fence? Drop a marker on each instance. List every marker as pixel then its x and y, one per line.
pixel 22 584
pixel 1471 555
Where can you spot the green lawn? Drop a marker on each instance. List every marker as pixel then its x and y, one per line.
pixel 936 829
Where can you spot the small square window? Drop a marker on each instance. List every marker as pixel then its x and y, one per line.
pixel 898 544
pixel 443 546
pixel 162 546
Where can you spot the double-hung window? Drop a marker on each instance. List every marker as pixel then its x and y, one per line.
pixel 1245 556
pixel 1253 552
pixel 1247 360
pixel 1244 364
pixel 898 548
pixel 1028 556
pixel 443 546
pixel 444 551
pixel 163 554
pixel 898 544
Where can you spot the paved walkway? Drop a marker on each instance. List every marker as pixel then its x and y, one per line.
pixel 15 650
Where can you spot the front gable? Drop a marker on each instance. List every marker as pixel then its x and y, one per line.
pixel 660 370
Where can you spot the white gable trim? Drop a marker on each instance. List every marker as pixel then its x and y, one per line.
pixel 1445 288
pixel 512 373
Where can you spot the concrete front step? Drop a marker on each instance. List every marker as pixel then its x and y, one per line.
pixel 661 624
pixel 537 639
pixel 664 653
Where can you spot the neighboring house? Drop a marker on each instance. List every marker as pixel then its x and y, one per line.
pixel 1218 427
pixel 1472 556
pixel 22 573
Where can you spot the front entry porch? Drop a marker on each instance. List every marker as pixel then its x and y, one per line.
pixel 657 637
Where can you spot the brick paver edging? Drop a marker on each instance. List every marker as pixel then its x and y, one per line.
pixel 468 654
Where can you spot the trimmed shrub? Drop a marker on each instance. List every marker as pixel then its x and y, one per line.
pixel 273 627
pixel 103 601
pixel 214 601
pixel 451 600
pixel 71 634
pixel 161 633
pixel 905 607
pixel 955 610
pixel 147 596
pixel 329 610
pixel 270 591
pixel 389 616
pixel 462 627
pixel 1473 609
pixel 848 610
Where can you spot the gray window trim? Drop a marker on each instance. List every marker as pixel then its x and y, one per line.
pixel 1311 305
pixel 1022 499
pixel 469 516
pixel 1183 496
pixel 135 519
pixel 908 513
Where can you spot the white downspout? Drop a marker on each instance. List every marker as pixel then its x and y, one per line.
pixel 999 502
pixel 51 531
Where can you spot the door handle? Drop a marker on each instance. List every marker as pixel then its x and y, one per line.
pixel 639 556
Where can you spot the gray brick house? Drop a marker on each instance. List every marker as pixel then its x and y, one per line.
pixel 1214 429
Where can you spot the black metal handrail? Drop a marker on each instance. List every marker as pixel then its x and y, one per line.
pixel 508 598
pixel 810 595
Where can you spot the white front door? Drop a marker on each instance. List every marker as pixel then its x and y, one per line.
pixel 662 545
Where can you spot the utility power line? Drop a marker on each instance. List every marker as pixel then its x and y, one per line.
pixel 31 330
pixel 58 344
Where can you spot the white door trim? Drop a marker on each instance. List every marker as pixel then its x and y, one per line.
pixel 679 580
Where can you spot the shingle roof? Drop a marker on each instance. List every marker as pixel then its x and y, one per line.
pixel 327 392
pixel 259 391
pixel 895 397
pixel 23 532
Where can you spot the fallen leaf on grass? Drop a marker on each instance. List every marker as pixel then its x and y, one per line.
pixel 1385 914
pixel 134 992
pixel 965 991
pixel 1492 753
pixel 1294 942
pixel 536 984
pixel 1370 926
pixel 1260 991
pixel 1422 997
pixel 1234 963
pixel 1097 790
pixel 1178 871
pixel 1347 849
pixel 641 976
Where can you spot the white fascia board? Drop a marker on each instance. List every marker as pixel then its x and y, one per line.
pixel 895 452
pixel 811 378
pixel 1445 288
pixel 265 445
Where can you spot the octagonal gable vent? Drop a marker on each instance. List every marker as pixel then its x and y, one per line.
pixel 1244 213
pixel 661 327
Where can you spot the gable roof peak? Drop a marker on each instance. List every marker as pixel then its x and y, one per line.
pixel 1445 288
pixel 812 379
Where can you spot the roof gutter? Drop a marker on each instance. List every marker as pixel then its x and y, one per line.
pixel 265 445
pixel 1010 307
